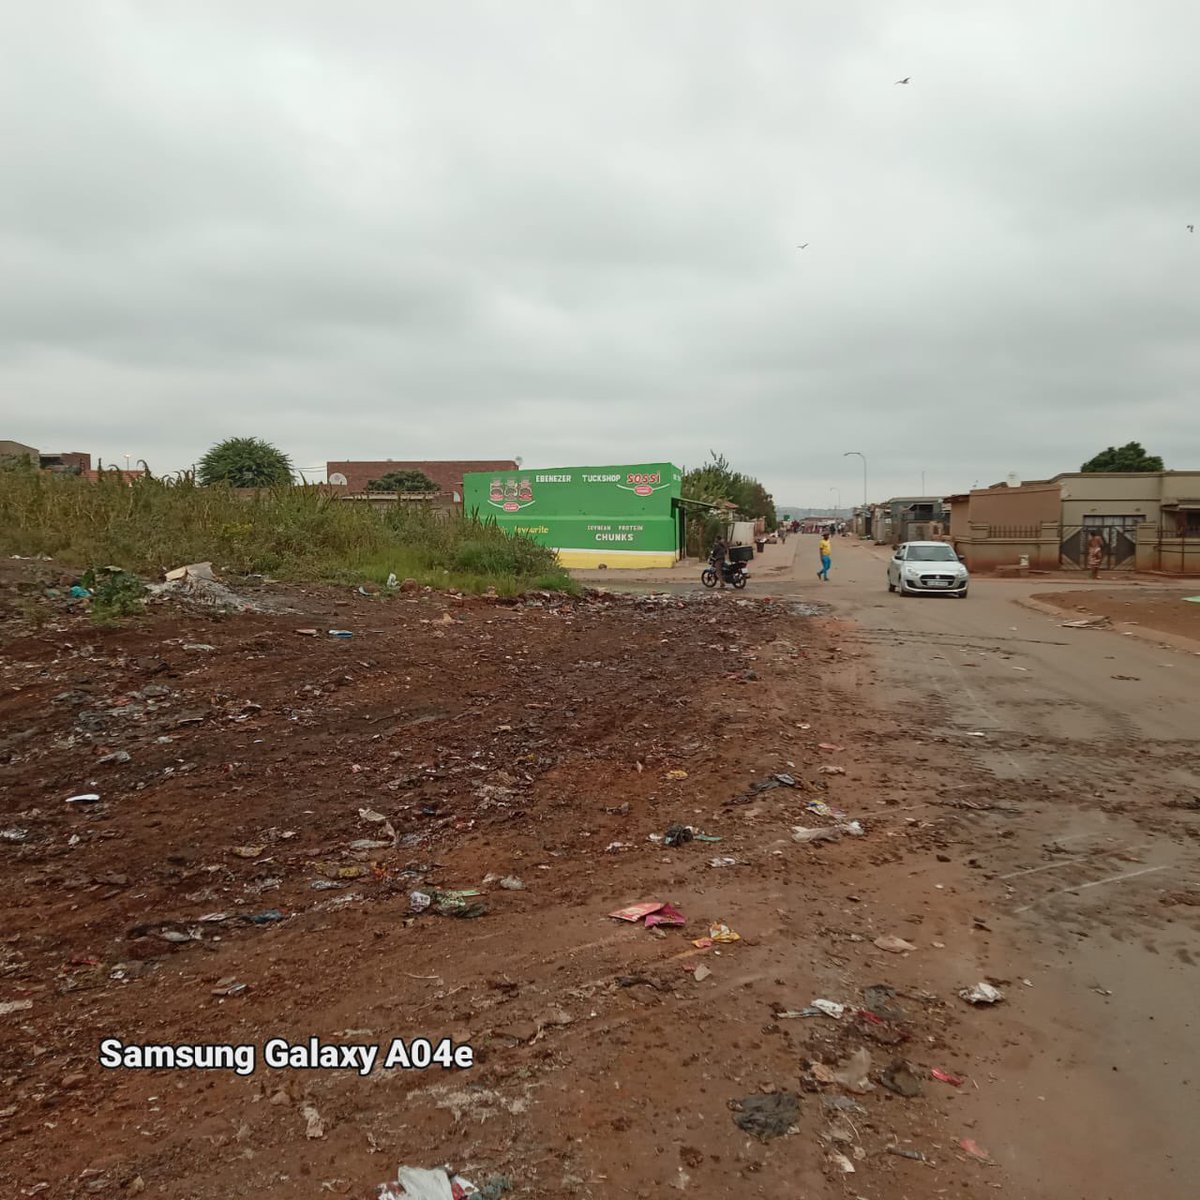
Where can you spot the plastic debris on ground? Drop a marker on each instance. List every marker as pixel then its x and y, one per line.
pixel 853 1074
pixel 946 1077
pixel 876 999
pixel 981 993
pixel 722 862
pixel 678 835
pixel 829 746
pixel 314 1127
pixel 894 945
pixel 247 851
pixel 84 798
pixel 842 1163
pixel 12 1006
pixel 450 903
pixel 416 1183
pixel 830 770
pixel 721 933
pixel 654 912
pixel 340 633
pixel 975 1150
pixel 677 774
pixel 667 915
pixel 827 1008
pixel 766 1117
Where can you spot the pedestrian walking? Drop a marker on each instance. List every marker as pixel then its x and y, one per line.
pixel 1095 553
pixel 826 551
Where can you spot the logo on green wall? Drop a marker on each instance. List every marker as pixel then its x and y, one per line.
pixel 643 485
pixel 510 495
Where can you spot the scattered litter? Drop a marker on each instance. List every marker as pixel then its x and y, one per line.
pixel 117 756
pixel 340 633
pixel 229 986
pixel 828 770
pixel 415 1183
pixel 14 835
pixel 721 933
pixel 12 1006
pixel 306 632
pixel 784 779
pixel 314 1127
pixel 369 814
pixel 812 836
pixel 333 870
pixel 511 883
pixel 829 746
pixel 700 973
pixel 722 862
pixel 655 912
pixel 84 798
pixel 854 1074
pixel 982 993
pixel 459 903
pixel 667 915
pixel 946 1077
pixel 677 774
pixel 900 1078
pixel 893 944
pixel 678 835
pixel 264 918
pixel 976 733
pixel 767 1117
pixel 976 1151
pixel 704 943
pixel 842 1163
pixel 1085 623
pixel 826 1008
pixel 915 1155
pixel 247 851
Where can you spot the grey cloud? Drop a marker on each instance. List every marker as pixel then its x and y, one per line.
pixel 568 230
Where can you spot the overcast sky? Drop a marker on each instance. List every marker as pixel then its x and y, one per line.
pixel 568 230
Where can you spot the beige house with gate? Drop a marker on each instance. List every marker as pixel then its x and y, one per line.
pixel 1150 521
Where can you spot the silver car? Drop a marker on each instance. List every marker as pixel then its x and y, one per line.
pixel 927 567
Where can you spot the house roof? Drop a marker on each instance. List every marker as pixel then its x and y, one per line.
pixel 447 474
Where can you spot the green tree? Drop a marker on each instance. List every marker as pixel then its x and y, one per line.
pixel 716 481
pixel 403 481
pixel 1130 457
pixel 245 462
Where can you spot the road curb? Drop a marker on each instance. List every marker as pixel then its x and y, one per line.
pixel 1165 641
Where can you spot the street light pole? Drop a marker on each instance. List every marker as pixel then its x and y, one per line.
pixel 837 496
pixel 860 454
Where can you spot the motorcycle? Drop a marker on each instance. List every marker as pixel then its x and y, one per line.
pixel 734 573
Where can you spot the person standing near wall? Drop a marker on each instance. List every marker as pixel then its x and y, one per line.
pixel 1095 553
pixel 826 552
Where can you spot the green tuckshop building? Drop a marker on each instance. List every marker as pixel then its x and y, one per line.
pixel 622 516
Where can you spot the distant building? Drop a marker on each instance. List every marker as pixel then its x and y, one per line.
pixel 73 462
pixel 353 476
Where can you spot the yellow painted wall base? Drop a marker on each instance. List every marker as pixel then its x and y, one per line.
pixel 629 559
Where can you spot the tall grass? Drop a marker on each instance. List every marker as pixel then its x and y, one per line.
pixel 293 532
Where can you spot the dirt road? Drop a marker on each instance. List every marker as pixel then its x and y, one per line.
pixel 283 794
pixel 1090 881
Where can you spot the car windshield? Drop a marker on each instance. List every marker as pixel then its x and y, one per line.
pixel 931 554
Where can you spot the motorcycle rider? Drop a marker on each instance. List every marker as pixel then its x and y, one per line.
pixel 717 556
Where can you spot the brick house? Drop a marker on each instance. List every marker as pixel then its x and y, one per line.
pixel 354 476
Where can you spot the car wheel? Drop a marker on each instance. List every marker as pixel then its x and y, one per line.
pixel 963 594
pixel 891 586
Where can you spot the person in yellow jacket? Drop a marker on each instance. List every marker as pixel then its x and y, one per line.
pixel 826 558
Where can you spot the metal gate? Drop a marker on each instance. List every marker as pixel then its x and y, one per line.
pixel 1120 542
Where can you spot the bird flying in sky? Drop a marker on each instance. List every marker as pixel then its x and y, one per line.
pixel 1191 229
pixel 805 245
pixel 906 79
